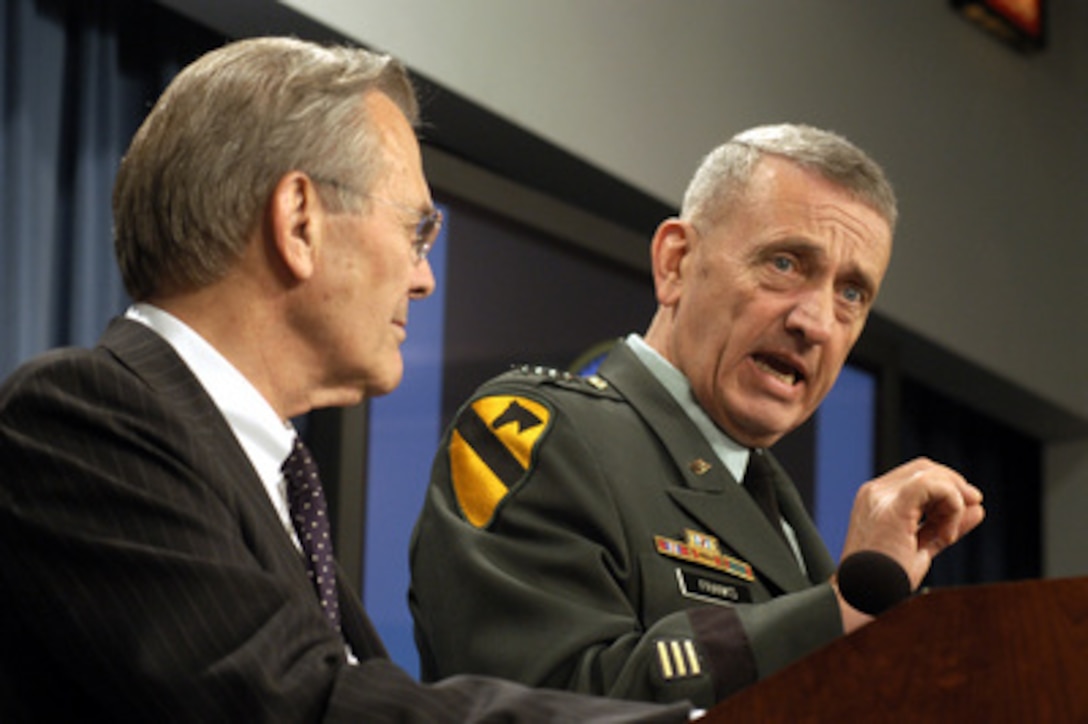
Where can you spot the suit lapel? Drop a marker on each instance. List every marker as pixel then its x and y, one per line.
pixel 710 495
pixel 356 626
pixel 154 361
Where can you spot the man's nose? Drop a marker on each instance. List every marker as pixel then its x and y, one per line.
pixel 813 316
pixel 422 280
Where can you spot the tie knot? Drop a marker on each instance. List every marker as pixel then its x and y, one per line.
pixel 758 466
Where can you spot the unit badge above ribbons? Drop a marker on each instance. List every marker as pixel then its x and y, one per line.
pixel 703 550
pixel 491 450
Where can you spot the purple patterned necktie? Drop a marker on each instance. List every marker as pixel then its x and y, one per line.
pixel 310 517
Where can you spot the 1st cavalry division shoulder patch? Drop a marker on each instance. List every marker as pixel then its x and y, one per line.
pixel 491 449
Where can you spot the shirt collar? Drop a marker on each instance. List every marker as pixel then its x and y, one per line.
pixel 732 454
pixel 263 436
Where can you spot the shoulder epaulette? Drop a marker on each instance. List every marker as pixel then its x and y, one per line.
pixel 590 384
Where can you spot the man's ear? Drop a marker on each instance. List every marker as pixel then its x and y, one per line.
pixel 296 214
pixel 672 243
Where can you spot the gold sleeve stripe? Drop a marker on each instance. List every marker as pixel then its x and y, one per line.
pixel 677 659
pixel 664 660
pixel 693 658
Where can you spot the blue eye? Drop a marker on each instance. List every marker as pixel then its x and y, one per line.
pixel 782 263
pixel 853 295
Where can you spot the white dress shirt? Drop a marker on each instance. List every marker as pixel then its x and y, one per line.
pixel 264 437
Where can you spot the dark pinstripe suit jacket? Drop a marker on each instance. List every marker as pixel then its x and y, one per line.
pixel 144 574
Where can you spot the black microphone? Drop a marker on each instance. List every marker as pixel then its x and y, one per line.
pixel 872 582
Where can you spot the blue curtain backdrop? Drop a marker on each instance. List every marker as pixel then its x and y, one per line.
pixel 78 77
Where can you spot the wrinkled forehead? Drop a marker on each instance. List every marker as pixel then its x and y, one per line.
pixel 788 206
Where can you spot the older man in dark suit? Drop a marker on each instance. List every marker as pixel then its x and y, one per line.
pixel 161 527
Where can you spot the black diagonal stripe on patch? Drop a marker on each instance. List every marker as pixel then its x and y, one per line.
pixel 490 448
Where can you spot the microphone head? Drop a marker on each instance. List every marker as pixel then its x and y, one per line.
pixel 872 582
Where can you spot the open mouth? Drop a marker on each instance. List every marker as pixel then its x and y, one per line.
pixel 779 368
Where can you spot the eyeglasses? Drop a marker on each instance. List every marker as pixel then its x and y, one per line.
pixel 427 227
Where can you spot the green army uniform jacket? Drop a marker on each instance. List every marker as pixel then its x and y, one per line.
pixel 580 533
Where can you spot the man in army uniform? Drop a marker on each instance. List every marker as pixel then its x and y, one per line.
pixel 628 533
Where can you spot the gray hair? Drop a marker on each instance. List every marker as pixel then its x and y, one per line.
pixel 198 174
pixel 725 172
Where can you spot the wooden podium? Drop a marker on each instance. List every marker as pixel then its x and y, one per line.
pixel 1008 652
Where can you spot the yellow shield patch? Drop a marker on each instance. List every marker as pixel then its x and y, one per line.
pixel 491 449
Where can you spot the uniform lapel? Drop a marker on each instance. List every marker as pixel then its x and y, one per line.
pixel 818 561
pixel 703 487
